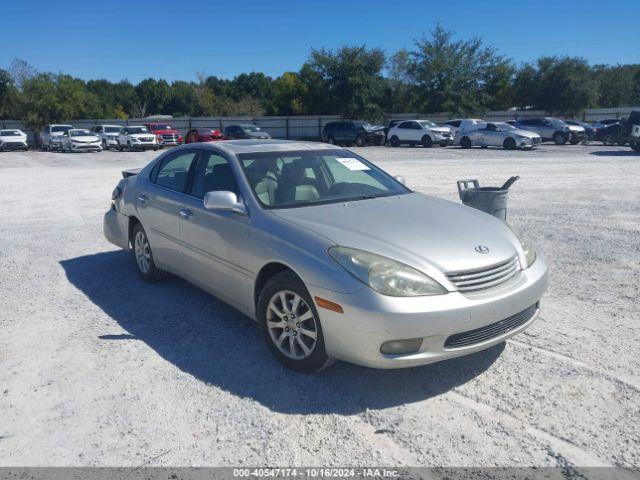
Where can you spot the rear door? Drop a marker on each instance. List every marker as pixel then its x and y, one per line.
pixel 215 243
pixel 491 135
pixel 159 203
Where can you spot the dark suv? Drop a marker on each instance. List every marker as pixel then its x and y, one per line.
pixel 350 132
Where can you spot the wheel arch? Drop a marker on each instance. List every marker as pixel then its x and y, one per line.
pixel 133 221
pixel 267 272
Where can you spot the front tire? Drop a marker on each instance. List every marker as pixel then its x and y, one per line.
pixel 291 325
pixel 143 256
pixel 360 141
pixel 427 142
pixel 509 144
pixel 608 140
pixel 559 138
pixel 395 141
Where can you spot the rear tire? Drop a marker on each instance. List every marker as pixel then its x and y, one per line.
pixel 427 142
pixel 395 141
pixel 635 146
pixel 559 138
pixel 509 144
pixel 331 140
pixel 143 256
pixel 465 142
pixel 608 140
pixel 290 324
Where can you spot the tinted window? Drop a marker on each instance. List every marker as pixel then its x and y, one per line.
pixel 405 125
pixel 213 174
pixel 174 171
pixel 454 123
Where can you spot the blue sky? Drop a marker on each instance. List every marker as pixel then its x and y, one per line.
pixel 116 39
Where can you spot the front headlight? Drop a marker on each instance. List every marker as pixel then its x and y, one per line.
pixel 529 251
pixel 384 275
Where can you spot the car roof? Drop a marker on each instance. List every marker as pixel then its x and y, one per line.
pixel 266 145
pixel 107 125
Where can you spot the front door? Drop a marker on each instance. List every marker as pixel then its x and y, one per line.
pixel 215 243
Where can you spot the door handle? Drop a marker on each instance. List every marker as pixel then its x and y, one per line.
pixel 143 199
pixel 186 213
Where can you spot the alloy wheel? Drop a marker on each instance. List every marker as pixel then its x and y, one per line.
pixel 142 251
pixel 291 325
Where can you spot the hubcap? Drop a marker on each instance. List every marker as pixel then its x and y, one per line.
pixel 143 252
pixel 291 324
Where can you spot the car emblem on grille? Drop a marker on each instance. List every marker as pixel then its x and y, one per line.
pixel 481 249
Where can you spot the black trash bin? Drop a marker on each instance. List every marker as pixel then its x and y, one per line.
pixel 492 200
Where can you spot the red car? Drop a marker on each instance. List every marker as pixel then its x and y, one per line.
pixel 166 135
pixel 196 135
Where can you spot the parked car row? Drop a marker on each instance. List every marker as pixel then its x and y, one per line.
pixel 148 136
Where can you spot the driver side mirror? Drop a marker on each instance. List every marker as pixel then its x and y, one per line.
pixel 223 200
pixel 401 179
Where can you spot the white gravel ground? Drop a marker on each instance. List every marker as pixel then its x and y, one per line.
pixel 100 369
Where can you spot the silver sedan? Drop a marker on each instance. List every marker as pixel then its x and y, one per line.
pixel 334 258
pixel 498 134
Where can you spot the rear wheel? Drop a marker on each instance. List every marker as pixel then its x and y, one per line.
pixel 291 325
pixel 331 140
pixel 427 141
pixel 635 146
pixel 559 138
pixel 465 142
pixel 608 140
pixel 395 141
pixel 144 256
pixel 509 144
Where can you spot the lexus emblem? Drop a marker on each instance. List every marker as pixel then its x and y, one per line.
pixel 482 249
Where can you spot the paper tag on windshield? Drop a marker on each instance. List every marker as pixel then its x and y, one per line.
pixel 352 163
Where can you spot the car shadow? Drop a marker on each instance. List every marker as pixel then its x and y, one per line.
pixel 615 153
pixel 220 346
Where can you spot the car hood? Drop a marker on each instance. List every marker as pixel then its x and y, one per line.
pixel 166 132
pixel 440 129
pixel 424 232
pixel 524 133
pixel 13 138
pixel 258 134
pixel 89 139
pixel 139 135
pixel 576 128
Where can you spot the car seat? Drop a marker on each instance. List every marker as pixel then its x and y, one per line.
pixel 291 187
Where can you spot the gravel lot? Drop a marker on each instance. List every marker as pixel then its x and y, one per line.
pixel 98 368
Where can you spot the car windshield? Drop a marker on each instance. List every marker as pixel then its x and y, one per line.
pixel 138 130
pixel 311 177
pixel 9 133
pixel 505 126
pixel 250 128
pixel 61 128
pixel 556 122
pixel 161 126
pixel 80 133
pixel 111 129
pixel 427 123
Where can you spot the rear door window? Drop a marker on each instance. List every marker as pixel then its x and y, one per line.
pixel 174 171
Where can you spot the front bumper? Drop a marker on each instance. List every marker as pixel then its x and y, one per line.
pixel 86 147
pixel 443 140
pixel 377 138
pixel 14 146
pixel 144 145
pixel 371 319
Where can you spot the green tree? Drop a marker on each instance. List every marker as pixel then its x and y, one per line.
pixel 460 76
pixel 8 94
pixel 566 85
pixel 289 92
pixel 352 82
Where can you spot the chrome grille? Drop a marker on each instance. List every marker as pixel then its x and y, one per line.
pixel 469 280
pixel 493 330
